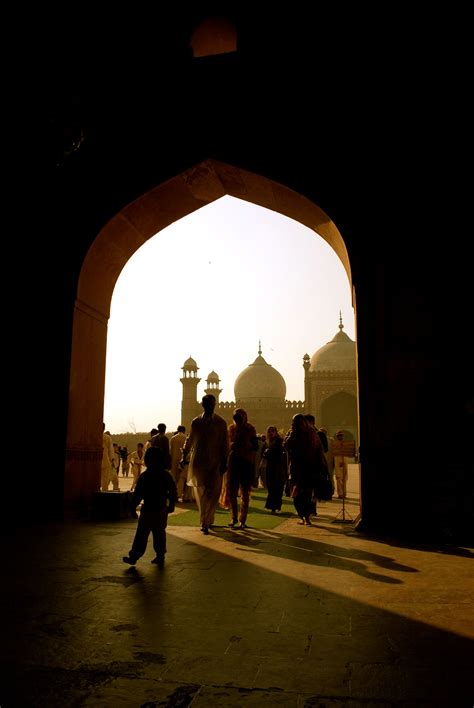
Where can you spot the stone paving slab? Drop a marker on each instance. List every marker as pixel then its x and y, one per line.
pixel 294 616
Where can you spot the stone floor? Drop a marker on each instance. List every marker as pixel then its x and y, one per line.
pixel 296 616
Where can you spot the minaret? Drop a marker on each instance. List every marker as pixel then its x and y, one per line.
pixel 213 382
pixel 307 388
pixel 189 403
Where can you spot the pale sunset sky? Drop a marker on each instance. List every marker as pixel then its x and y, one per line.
pixel 211 286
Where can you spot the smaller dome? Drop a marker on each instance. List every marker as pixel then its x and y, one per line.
pixel 190 364
pixel 213 377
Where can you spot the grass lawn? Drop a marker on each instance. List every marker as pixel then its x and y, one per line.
pixel 258 517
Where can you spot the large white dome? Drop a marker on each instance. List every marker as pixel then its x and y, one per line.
pixel 337 355
pixel 259 380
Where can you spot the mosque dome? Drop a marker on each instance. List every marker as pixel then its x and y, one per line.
pixel 190 364
pixel 337 355
pixel 213 378
pixel 259 380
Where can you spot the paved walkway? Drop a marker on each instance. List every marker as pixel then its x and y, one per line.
pixel 328 511
pixel 296 616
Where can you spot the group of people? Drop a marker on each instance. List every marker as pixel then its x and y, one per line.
pixel 219 463
pixel 222 464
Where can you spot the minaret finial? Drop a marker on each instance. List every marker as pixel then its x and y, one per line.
pixel 341 326
pixel 259 348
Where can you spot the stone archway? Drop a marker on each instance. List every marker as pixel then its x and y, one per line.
pixel 339 411
pixel 113 247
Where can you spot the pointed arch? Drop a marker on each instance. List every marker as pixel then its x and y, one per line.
pixel 108 254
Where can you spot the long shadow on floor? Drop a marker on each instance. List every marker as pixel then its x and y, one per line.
pixel 314 552
pixel 79 627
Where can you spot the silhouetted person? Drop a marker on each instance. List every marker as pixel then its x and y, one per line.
pixel 125 464
pixel 340 468
pixel 153 432
pixel 161 441
pixel 117 458
pixel 137 461
pixel 274 458
pixel 157 489
pixel 322 432
pixel 328 454
pixel 309 417
pixel 307 460
pixel 107 471
pixel 241 465
pixel 260 470
pixel 207 447
pixel 178 473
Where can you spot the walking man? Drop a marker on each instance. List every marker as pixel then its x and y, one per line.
pixel 208 447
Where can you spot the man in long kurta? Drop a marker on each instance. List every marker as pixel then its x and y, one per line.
pixel 107 471
pixel 136 460
pixel 208 447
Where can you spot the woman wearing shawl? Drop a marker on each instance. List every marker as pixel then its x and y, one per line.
pixel 241 466
pixel 306 458
pixel 275 469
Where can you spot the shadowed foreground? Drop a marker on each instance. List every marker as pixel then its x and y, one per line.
pixel 292 616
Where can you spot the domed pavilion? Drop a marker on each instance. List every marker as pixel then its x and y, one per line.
pixel 329 384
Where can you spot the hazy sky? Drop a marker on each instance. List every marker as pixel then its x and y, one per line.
pixel 211 286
